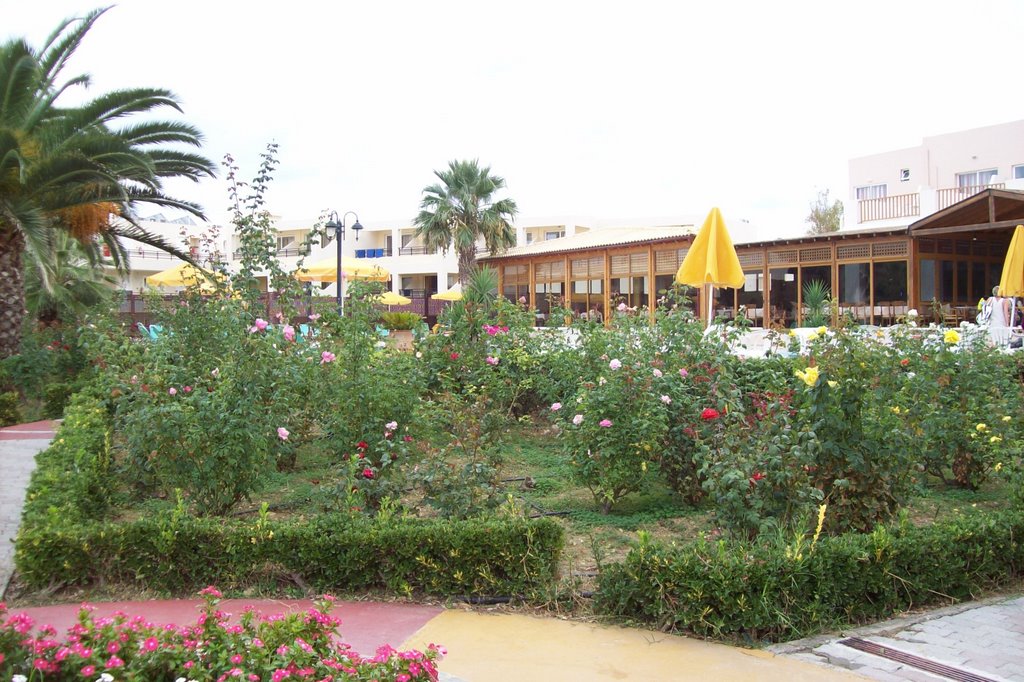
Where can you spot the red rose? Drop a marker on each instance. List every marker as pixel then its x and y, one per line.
pixel 905 361
pixel 367 472
pixel 454 356
pixel 709 413
pixel 361 445
pixel 407 439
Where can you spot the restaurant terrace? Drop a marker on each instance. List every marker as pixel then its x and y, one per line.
pixel 953 256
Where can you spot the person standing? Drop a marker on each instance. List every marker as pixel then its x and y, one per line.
pixel 999 320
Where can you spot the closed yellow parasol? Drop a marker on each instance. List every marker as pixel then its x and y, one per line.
pixel 1012 281
pixel 712 259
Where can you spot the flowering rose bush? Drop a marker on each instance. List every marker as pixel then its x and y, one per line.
pixel 949 387
pixel 295 646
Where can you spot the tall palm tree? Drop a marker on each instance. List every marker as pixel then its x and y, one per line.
pixel 462 209
pixel 73 169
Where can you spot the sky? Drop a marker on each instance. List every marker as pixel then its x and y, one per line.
pixel 604 109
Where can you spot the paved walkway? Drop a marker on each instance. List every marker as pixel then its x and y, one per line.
pixel 18 447
pixel 976 641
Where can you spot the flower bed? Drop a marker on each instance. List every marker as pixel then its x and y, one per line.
pixel 779 591
pixel 62 540
pixel 296 646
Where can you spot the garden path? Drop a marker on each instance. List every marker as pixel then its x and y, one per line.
pixel 979 641
pixel 18 447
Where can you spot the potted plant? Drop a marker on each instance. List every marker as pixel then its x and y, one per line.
pixel 816 300
pixel 400 325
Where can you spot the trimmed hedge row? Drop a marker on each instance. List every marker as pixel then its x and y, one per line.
pixel 63 539
pixel 761 591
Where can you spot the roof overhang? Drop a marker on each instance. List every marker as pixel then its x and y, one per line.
pixel 990 209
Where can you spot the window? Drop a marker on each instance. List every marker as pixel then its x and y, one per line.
pixel 871 192
pixel 284 242
pixel 553 235
pixel 1018 172
pixel 529 237
pixel 904 175
pixel 975 178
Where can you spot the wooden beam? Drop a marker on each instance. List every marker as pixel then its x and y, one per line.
pixel 991 208
pixel 995 225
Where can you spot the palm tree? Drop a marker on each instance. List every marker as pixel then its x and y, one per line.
pixel 462 209
pixel 71 170
pixel 69 287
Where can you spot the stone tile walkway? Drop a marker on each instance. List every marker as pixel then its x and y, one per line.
pixel 984 638
pixel 18 448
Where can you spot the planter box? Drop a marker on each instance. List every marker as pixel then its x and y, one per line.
pixel 400 339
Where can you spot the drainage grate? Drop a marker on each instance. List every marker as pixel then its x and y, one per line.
pixel 912 660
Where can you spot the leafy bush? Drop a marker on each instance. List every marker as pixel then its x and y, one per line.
pixel 9 412
pixel 258 647
pixel 776 590
pixel 400 319
pixel 56 399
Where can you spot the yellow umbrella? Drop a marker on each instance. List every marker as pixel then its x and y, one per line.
pixel 712 259
pixel 1011 283
pixel 327 271
pixel 184 275
pixel 391 298
pixel 453 294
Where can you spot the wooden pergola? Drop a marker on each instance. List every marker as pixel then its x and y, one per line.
pixel 953 257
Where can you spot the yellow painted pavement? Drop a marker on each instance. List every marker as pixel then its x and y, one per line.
pixel 484 647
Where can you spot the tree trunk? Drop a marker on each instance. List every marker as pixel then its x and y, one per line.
pixel 467 259
pixel 12 291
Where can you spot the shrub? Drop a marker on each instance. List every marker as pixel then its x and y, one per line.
pixel 400 319
pixel 177 552
pixel 773 590
pixel 258 647
pixel 9 412
pixel 55 399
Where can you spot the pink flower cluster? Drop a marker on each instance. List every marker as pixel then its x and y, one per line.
pixel 494 330
pixel 259 326
pixel 123 647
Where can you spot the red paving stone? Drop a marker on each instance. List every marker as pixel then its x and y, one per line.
pixel 364 625
pixel 43 429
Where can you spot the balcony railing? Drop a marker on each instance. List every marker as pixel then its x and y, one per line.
pixel 280 253
pixel 416 250
pixel 948 197
pixel 909 205
pixel 896 206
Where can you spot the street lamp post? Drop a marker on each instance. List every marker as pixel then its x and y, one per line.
pixel 333 223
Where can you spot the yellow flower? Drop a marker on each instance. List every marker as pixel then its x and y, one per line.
pixel 981 427
pixel 813 336
pixel 643 465
pixel 951 336
pixel 1007 418
pixel 821 330
pixel 809 376
pixel 833 384
pixel 895 409
pixel 998 466
pixel 995 439
pixel 792 332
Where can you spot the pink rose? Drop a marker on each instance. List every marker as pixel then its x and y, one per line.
pixel 282 433
pixel 615 364
pixel 683 373
pixel 172 390
pixel 326 356
pixel 289 332
pixel 577 420
pixel 665 399
pixel 492 360
pixel 605 423
pixel 555 407
pixel 261 324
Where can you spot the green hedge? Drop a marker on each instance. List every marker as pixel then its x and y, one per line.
pixel 760 591
pixel 64 540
